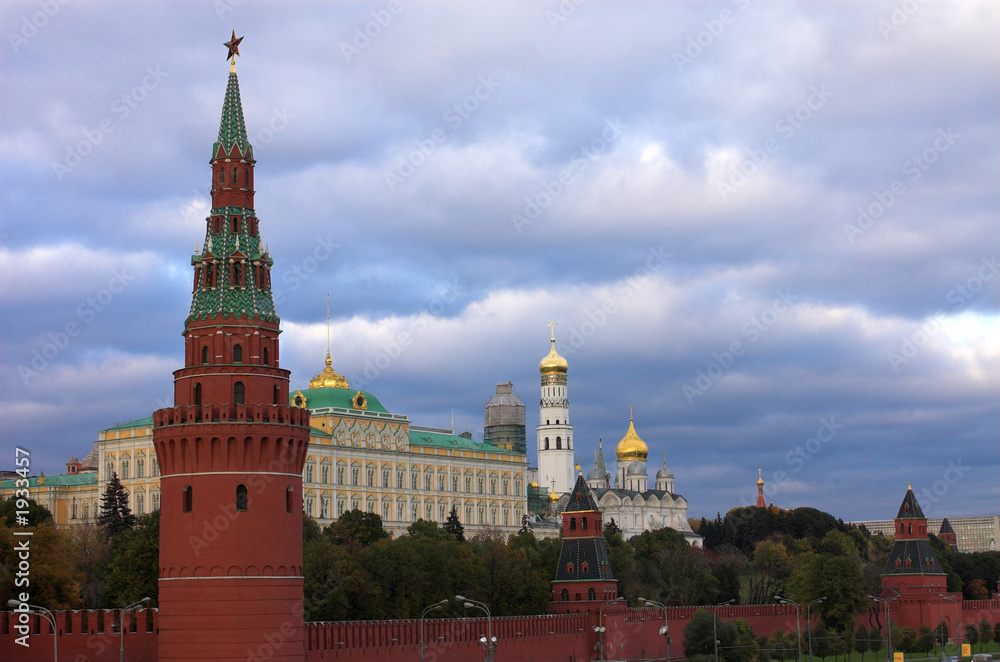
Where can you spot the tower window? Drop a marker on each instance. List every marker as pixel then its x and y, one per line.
pixel 241 497
pixel 239 393
pixel 288 500
pixel 222 175
pixel 591 594
pixel 558 443
pixel 572 524
pixel 186 499
pixel 204 355
pixel 277 394
pixel 237 353
pixel 569 568
pixel 247 178
pixel 197 394
pixel 266 357
pixel 236 224
pixel 546 443
pixel 564 596
pixel 584 523
pixel 234 175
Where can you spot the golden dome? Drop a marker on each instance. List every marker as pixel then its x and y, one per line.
pixel 553 497
pixel 329 378
pixel 533 484
pixel 553 363
pixel 760 477
pixel 631 448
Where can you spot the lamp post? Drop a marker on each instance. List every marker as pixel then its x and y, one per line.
pixel 809 624
pixel 599 628
pixel 798 627
pixel 958 628
pixel 489 642
pixel 434 607
pixel 121 629
pixel 24 607
pixel 665 630
pixel 888 624
pixel 715 631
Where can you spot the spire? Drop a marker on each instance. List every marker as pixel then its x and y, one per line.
pixel 329 378
pixel 600 456
pixel 232 128
pixel 760 489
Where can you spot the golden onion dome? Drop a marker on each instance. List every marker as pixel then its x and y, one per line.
pixel 553 363
pixel 760 477
pixel 329 378
pixel 553 497
pixel 631 448
pixel 533 484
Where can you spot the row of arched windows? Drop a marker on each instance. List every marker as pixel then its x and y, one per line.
pixel 558 443
pixel 208 275
pixel 235 176
pixel 572 523
pixel 239 394
pixel 265 355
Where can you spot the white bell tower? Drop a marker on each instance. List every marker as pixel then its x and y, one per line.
pixel 555 434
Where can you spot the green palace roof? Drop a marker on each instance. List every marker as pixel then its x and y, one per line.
pixel 58 480
pixel 343 398
pixel 444 440
pixel 138 423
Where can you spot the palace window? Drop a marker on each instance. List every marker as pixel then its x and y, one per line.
pixel 481 482
pixel 428 510
pixel 355 475
pixel 371 477
pixel 427 481
pixel 326 474
pixel 468 513
pixel 454 482
pixel 413 480
pixel 340 507
pixel 241 497
pixel 414 512
pixel 324 507
pixel 441 482
pixel 400 477
pixel 74 507
pixel 140 468
pixel 86 511
pixel 125 470
pixel 385 478
pixel 482 514
pixel 493 485
pixel 385 510
pixel 468 483
pixel 156 503
pixel 340 475
pixel 239 393
pixel 310 472
pixel 307 506
pixel 441 516
pixel 140 505
pixel 400 507
pixel 355 503
pixel 506 516
pixel 505 483
pixel 156 472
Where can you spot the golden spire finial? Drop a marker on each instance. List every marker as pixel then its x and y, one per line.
pixel 630 412
pixel 908 485
pixel 552 326
pixel 328 324
pixel 664 459
pixel 578 466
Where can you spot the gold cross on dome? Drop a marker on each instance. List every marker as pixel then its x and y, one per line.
pixel 553 326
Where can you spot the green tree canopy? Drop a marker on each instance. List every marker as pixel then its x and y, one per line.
pixel 116 517
pixel 133 563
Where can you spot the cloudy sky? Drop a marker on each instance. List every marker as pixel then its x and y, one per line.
pixel 769 227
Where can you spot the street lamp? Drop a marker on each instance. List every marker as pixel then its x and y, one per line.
pixel 434 607
pixel 121 629
pixel 798 628
pixel 958 628
pixel 888 623
pixel 809 625
pixel 665 630
pixel 489 642
pixel 715 631
pixel 25 608
pixel 599 628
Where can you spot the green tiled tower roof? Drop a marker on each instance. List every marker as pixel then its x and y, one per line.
pixel 232 129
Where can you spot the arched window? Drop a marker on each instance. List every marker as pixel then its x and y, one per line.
pixel 186 499
pixel 558 443
pixel 204 355
pixel 277 393
pixel 239 393
pixel 222 175
pixel 247 177
pixel 288 499
pixel 267 357
pixel 546 443
pixel 140 468
pixel 908 526
pixel 140 504
pixel 564 596
pixel 197 394
pixel 237 353
pixel 86 511
pixel 125 469
pixel 584 524
pixel 572 524
pixel 234 175
pixel 74 507
pixel 591 594
pixel 241 497
pixel 569 568
pixel 156 500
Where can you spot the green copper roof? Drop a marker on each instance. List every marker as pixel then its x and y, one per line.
pixel 317 432
pixel 85 478
pixel 442 440
pixel 227 299
pixel 139 423
pixel 321 398
pixel 232 129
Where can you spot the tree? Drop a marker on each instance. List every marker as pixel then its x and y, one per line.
pixel 977 590
pixel 55 583
pixel 356 528
pixel 925 640
pixel 876 641
pixel 454 525
pixel 781 646
pixel 698 636
pixel 985 632
pixel 611 528
pixel 861 641
pixel 133 563
pixel 996 632
pixel 942 633
pixel 37 514
pixel 971 635
pixel 92 547
pixel 116 517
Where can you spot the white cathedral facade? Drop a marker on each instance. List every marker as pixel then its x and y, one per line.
pixel 628 499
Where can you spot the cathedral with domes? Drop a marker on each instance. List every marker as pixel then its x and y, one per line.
pixel 628 498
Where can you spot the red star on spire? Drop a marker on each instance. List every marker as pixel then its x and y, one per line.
pixel 234 46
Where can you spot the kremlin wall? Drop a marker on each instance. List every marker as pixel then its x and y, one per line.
pixel 235 424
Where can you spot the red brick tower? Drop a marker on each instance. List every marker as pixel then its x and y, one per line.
pixel 231 449
pixel 583 577
pixel 947 534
